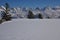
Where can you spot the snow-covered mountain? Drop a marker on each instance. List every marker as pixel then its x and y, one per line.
pixel 46 12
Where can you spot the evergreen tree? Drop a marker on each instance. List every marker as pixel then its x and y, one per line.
pixel 58 16
pixel 30 15
pixel 40 16
pixel 0 21
pixel 48 17
pixel 7 8
pixel 6 14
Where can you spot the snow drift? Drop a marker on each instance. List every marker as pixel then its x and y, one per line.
pixel 30 29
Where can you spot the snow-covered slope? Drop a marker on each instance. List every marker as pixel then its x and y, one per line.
pixel 34 29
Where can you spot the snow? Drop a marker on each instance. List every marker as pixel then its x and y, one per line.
pixel 18 12
pixel 53 14
pixel 30 29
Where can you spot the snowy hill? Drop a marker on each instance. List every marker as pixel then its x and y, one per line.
pixel 34 29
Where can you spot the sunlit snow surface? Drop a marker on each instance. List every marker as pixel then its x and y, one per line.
pixel 30 29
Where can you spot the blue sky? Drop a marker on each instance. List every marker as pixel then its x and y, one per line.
pixel 31 3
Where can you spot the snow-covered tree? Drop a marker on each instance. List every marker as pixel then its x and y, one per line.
pixel 40 16
pixel 30 15
pixel 6 14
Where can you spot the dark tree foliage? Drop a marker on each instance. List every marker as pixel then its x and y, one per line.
pixel 7 7
pixel 48 17
pixel 5 14
pixel 40 16
pixel 30 15
pixel 0 21
pixel 58 16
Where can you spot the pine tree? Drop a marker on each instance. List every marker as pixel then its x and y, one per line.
pixel 7 7
pixel 6 14
pixel 30 15
pixel 0 21
pixel 40 16
pixel 48 17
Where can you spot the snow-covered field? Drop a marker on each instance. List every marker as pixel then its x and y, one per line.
pixel 30 29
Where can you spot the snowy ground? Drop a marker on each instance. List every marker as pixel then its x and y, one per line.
pixel 33 29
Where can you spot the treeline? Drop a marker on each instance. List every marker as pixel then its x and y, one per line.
pixel 32 16
pixel 6 16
